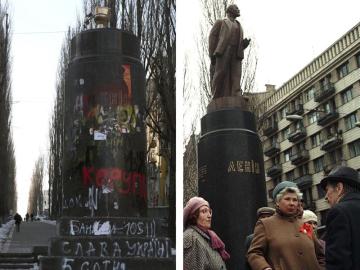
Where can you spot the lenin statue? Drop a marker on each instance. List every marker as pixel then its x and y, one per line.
pixel 226 51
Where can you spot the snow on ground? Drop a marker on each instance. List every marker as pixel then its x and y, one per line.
pixel 51 222
pixel 4 232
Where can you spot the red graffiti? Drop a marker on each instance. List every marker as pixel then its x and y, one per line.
pixel 121 180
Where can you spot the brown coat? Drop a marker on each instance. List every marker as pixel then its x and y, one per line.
pixel 198 254
pixel 278 244
pixel 219 38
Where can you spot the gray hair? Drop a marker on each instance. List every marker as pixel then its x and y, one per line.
pixel 295 190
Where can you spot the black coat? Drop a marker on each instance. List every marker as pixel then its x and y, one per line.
pixel 343 234
pixel 248 241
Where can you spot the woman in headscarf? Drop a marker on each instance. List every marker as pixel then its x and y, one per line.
pixel 282 241
pixel 203 249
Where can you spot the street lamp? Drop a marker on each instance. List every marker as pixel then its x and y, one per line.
pixel 294 117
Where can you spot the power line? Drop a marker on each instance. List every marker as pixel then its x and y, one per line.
pixel 39 33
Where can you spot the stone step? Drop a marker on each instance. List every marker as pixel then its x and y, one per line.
pixel 17 261
pixel 105 263
pixel 15 255
pixel 18 266
pixel 101 246
pixel 116 226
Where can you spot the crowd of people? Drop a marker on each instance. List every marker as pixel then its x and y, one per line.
pixel 285 237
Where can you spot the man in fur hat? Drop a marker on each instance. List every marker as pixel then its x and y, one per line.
pixel 342 187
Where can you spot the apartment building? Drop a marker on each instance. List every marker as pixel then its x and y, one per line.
pixel 312 122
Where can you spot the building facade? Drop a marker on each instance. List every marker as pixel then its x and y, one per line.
pixel 312 122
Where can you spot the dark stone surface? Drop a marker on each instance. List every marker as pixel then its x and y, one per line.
pixel 231 176
pixel 105 263
pixel 119 226
pixel 104 152
pixel 102 246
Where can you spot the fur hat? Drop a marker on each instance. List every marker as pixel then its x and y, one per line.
pixel 192 205
pixel 279 187
pixel 265 211
pixel 309 216
pixel 343 174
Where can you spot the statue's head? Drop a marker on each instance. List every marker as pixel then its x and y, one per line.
pixel 233 11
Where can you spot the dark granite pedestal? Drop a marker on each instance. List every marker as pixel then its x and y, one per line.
pixel 231 172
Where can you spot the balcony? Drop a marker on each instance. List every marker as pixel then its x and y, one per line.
pixel 332 142
pixel 272 149
pixel 304 181
pixel 328 167
pixel 299 157
pixel 324 92
pixel 298 109
pixel 274 170
pixel 270 128
pixel 327 117
pixel 297 135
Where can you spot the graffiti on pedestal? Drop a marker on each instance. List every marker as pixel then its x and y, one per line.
pixel 105 146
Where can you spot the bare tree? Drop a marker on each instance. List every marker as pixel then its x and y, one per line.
pixel 35 202
pixel 56 134
pixel 7 156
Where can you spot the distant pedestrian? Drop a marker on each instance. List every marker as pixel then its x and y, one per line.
pixel 262 212
pixel 203 249
pixel 18 220
pixel 342 187
pixel 282 241
pixel 27 217
pixel 32 217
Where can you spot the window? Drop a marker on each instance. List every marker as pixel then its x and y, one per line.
pixel 350 121
pixel 325 82
pixel 301 146
pixel 321 191
pixel 307 198
pixel 335 156
pixel 354 148
pixel 283 112
pixel 343 70
pixel 309 94
pixel 319 164
pixel 290 176
pixel 285 133
pixel 287 154
pixel 346 95
pixel 303 170
pixel 358 59
pixel 313 117
pixel 315 139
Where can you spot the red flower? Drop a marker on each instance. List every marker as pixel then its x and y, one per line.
pixel 307 229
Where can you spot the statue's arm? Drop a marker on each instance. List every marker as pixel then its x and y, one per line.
pixel 214 37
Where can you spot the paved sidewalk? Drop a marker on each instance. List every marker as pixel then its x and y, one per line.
pixel 31 234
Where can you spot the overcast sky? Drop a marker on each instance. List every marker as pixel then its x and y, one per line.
pixel 38 31
pixel 288 35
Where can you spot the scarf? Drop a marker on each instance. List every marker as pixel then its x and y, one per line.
pixel 291 217
pixel 216 242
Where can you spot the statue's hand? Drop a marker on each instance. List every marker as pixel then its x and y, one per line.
pixel 246 42
pixel 213 60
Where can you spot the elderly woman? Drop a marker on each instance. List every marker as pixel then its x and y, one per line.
pixel 281 242
pixel 203 249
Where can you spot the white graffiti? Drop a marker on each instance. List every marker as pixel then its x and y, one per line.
pixel 103 229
